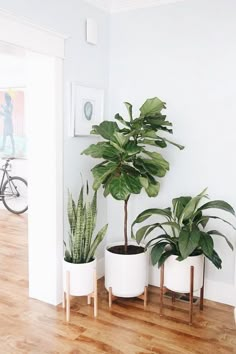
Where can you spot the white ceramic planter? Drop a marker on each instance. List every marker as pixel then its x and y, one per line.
pixel 177 274
pixel 127 275
pixel 81 277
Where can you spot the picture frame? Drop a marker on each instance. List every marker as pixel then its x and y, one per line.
pixel 13 125
pixel 87 106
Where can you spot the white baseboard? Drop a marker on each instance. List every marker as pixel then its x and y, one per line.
pixel 215 291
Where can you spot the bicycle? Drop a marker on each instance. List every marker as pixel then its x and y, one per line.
pixel 13 190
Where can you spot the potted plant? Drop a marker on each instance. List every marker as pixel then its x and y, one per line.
pixel 183 241
pixel 79 260
pixel 128 166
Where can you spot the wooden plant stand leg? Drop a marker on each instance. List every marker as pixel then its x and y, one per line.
pixel 173 297
pixel 95 295
pixel 144 296
pixel 161 290
pixel 89 299
pixel 202 289
pixel 111 297
pixel 64 300
pixel 191 295
pixel 67 296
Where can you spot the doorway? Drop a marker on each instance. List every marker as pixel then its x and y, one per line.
pixel 43 59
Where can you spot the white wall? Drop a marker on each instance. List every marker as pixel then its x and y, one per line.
pixel 184 53
pixel 84 63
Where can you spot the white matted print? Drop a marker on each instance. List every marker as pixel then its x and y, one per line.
pixel 87 109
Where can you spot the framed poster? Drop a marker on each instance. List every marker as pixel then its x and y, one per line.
pixel 86 109
pixel 12 122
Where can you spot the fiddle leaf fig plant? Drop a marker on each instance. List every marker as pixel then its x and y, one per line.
pixel 183 230
pixel 129 158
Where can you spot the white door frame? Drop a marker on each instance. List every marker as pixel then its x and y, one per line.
pixel 44 283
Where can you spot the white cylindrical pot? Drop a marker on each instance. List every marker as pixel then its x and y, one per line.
pixel 81 277
pixel 126 274
pixel 177 274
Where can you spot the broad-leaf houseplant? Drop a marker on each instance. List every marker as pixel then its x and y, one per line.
pixel 129 162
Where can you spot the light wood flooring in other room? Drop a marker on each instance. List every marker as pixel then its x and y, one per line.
pixel 29 326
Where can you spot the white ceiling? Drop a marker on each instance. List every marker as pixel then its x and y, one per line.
pixel 124 5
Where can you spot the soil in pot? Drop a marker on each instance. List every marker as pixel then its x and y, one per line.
pixel 132 249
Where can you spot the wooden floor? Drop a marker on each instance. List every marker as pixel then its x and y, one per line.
pixel 29 326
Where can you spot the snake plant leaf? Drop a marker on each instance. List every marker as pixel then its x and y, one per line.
pixel 101 172
pixel 215 232
pixel 118 188
pixel 218 204
pixel 106 129
pixel 206 243
pixel 79 230
pixel 88 230
pixel 151 107
pixel 157 252
pixel 188 241
pixel 129 109
pixel 97 240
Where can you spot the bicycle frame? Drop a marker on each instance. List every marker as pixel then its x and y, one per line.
pixel 5 176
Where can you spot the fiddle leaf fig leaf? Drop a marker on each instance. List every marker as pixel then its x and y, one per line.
pixel 119 189
pixel 151 107
pixel 106 129
pixel 129 109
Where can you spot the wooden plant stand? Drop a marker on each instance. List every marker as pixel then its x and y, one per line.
pixel 163 289
pixel 143 297
pixel 67 296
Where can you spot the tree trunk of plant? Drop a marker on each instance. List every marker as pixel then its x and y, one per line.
pixel 125 224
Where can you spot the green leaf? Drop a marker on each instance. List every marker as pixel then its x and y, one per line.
pixel 121 120
pixel 131 148
pixel 192 205
pixel 141 232
pixel 106 129
pixel 118 188
pixel 120 138
pixel 158 158
pixel 204 220
pixel 153 189
pixel 157 252
pixel 151 212
pixel 152 167
pixel 101 172
pixel 133 184
pixel 215 259
pixel 151 107
pixel 215 232
pixel 181 147
pixel 129 109
pixel 144 182
pixel 218 204
pixel 164 257
pixel 188 242
pixel 206 243
pixel 97 240
pixel 179 204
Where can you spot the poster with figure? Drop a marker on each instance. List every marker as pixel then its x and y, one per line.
pixel 12 123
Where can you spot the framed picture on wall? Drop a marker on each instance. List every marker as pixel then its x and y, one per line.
pixel 86 109
pixel 13 142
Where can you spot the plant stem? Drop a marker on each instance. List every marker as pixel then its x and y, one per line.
pixel 125 224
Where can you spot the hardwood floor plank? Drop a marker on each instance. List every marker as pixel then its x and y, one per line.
pixel 29 326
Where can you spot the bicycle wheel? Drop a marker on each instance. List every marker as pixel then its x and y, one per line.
pixel 15 195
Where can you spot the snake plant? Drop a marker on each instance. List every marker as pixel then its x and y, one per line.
pixel 82 218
